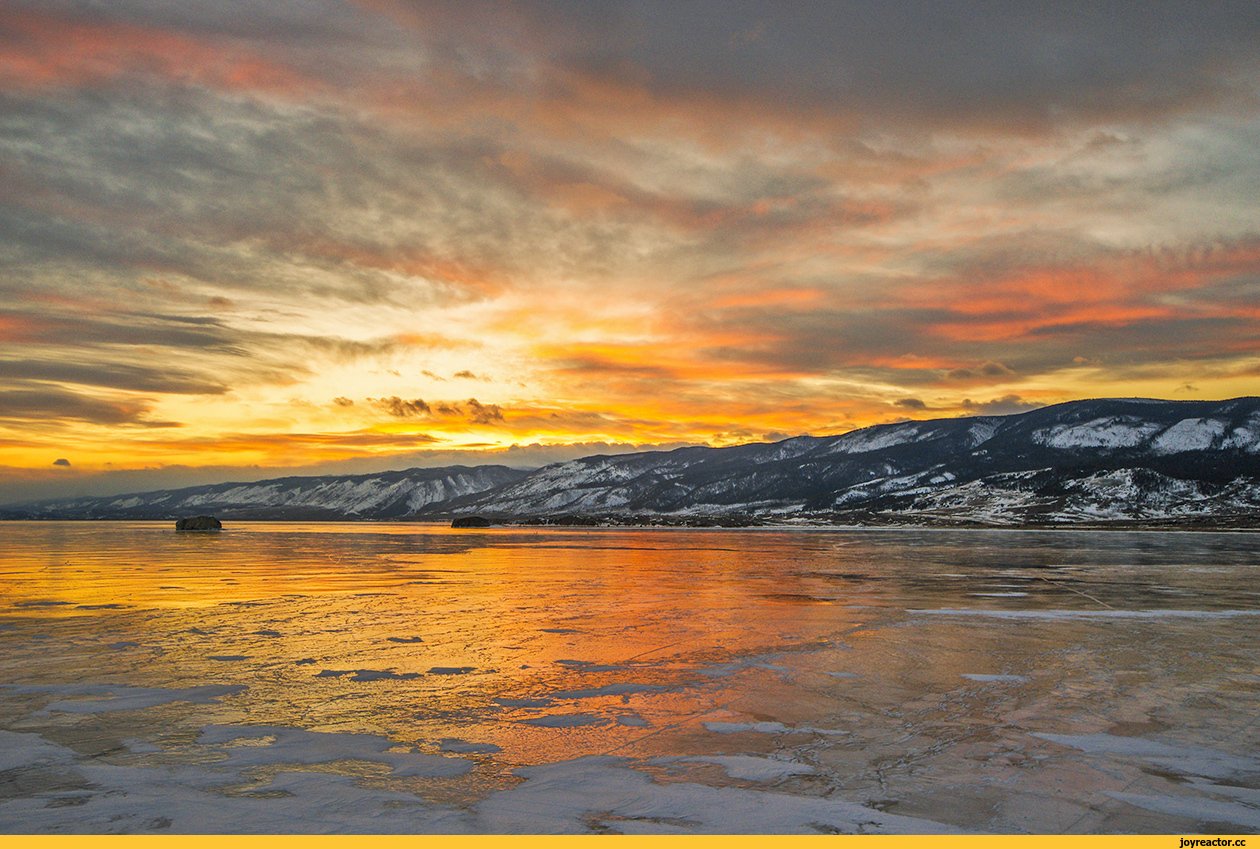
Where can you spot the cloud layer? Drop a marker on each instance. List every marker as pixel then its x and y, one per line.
pixel 290 234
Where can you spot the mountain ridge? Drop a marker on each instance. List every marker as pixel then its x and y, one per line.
pixel 1112 460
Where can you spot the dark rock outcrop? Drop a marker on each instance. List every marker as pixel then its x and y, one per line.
pixel 470 522
pixel 199 523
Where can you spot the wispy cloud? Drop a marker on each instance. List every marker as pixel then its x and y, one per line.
pixel 296 230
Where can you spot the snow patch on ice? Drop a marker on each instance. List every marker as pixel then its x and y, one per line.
pixel 1085 614
pixel 1177 758
pixel 361 675
pixel 1194 808
pixel 747 767
pixel 26 750
pixel 463 747
pixel 262 745
pixel 564 798
pixel 106 698
pixel 769 728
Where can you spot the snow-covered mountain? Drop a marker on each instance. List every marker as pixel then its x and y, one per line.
pixel 386 495
pixel 1186 462
pixel 1099 460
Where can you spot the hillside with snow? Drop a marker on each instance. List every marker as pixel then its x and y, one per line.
pixel 1128 460
pixel 1193 463
pixel 386 495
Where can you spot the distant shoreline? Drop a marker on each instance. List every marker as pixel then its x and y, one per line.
pixel 612 523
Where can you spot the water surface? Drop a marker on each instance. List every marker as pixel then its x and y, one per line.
pixel 403 677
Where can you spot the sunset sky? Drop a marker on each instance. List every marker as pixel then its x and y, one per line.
pixel 242 239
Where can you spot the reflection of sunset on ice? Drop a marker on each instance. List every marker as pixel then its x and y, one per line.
pixel 398 678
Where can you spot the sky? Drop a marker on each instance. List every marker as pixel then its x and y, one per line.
pixel 243 239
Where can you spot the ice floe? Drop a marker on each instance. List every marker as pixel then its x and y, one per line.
pixel 106 698
pixel 361 675
pixel 1202 770
pixel 1194 808
pixel 463 747
pixel 769 728
pixel 1086 614
pixel 27 750
pixel 259 745
pixel 571 796
pixel 1176 758
pixel 747 767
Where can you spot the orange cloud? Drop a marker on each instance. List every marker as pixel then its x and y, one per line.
pixel 1111 290
pixel 1016 328
pixel 18 328
pixel 44 49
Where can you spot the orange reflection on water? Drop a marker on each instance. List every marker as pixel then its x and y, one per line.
pixel 519 646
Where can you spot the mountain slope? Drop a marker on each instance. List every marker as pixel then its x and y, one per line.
pixel 387 495
pixel 1130 459
pixel 1083 461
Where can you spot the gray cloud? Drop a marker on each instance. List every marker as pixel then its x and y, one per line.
pixel 400 408
pixel 917 165
pixel 471 410
pixel 48 406
pixel 480 413
pixel 1004 406
pixel 962 63
pixel 61 461
pixel 988 369
pixel 114 375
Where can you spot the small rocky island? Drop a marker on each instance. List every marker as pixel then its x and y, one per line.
pixel 470 522
pixel 198 523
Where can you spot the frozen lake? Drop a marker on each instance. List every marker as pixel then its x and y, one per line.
pixel 410 678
